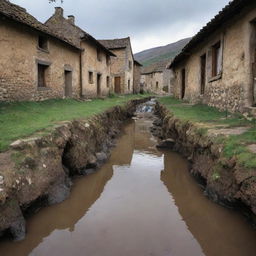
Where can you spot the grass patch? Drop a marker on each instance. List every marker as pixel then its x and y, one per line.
pixel 21 119
pixel 234 145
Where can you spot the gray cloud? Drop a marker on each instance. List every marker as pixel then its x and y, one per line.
pixel 148 22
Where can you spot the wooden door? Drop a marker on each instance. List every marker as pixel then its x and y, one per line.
pixel 68 83
pixel 118 85
pixel 183 83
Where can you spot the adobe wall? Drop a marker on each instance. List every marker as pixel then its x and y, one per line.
pixel 90 63
pixel 18 68
pixel 232 90
pixel 137 75
pixel 150 81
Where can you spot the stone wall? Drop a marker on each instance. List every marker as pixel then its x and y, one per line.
pixel 90 63
pixel 19 54
pixel 136 80
pixel 120 68
pixel 232 88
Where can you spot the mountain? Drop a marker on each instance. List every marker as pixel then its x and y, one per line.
pixel 168 52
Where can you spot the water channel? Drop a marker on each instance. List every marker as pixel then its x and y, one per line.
pixel 142 202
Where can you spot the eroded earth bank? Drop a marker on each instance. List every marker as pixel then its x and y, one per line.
pixel 225 180
pixel 141 201
pixel 36 171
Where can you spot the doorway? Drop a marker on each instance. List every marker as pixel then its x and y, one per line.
pixel 68 83
pixel 183 83
pixel 98 84
pixel 118 84
pixel 254 80
pixel 203 74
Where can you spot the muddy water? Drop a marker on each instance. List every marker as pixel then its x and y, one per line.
pixel 143 202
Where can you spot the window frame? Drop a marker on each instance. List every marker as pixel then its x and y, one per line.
pixel 90 77
pixel 45 42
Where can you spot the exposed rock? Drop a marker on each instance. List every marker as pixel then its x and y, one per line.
pixel 168 143
pixel 101 157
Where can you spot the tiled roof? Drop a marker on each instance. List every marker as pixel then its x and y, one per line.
pixel 229 11
pixel 116 43
pixel 156 67
pixel 137 63
pixel 20 15
pixel 57 22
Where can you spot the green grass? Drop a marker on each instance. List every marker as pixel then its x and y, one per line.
pixel 21 119
pixel 234 145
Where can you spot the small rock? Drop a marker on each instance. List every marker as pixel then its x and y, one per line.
pixel 1 180
pixel 44 166
pixel 87 125
pixel 169 143
pixel 101 157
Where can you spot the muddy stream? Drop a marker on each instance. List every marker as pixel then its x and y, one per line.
pixel 142 202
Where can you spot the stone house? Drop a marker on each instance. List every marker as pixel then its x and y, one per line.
pixel 95 58
pixel 217 67
pixel 136 78
pixel 122 66
pixel 156 78
pixel 35 62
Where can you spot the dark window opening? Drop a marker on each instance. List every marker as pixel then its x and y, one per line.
pixel 42 73
pixel 43 42
pixel 107 60
pixel 108 81
pixel 98 55
pixel 90 77
pixel 216 59
pixel 129 85
pixel 203 73
pixel 157 85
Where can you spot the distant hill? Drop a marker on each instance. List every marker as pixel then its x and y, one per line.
pixel 153 55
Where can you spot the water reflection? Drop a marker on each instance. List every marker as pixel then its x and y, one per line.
pixel 142 202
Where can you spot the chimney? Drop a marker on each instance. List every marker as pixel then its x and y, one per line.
pixel 59 11
pixel 71 19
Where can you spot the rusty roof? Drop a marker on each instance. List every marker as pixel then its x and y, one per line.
pixel 116 43
pixel 229 11
pixel 20 15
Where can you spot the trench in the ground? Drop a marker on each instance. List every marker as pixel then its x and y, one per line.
pixel 143 201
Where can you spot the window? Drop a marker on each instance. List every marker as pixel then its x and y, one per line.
pixel 107 60
pixel 42 73
pixel 43 43
pixel 98 55
pixel 90 77
pixel 157 85
pixel 108 81
pixel 216 59
pixel 129 85
pixel 130 64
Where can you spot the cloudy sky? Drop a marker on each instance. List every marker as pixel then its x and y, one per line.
pixel 149 23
